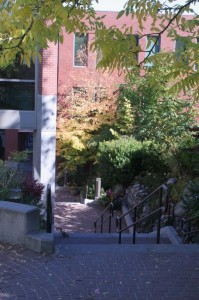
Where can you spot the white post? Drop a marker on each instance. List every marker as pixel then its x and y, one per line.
pixel 97 188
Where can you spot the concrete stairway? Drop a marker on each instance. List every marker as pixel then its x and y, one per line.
pixel 168 236
pixel 106 238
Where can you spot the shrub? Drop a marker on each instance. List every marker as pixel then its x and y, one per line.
pixel 20 155
pixel 152 159
pixel 190 198
pixel 189 160
pixel 120 160
pixel 32 191
pixel 9 178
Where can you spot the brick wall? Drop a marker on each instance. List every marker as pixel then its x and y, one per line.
pixel 70 76
pixel 48 71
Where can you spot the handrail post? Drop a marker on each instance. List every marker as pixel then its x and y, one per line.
pixel 102 220
pixel 120 230
pixel 95 227
pixel 159 216
pixel 110 216
pixel 167 207
pixel 134 226
pixel 172 216
pixel 49 210
pixel 182 228
pixel 189 229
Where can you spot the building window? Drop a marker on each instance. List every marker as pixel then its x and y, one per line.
pixel 100 94
pixel 79 94
pixel 80 50
pixel 134 39
pixel 180 50
pixel 17 95
pixel 17 87
pixel 152 47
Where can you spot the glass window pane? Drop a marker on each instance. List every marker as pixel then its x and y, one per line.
pixel 18 71
pixel 151 40
pixel 17 95
pixel 81 50
pixel 152 47
pixel 180 50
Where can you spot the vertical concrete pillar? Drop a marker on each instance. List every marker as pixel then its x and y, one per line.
pixel 44 138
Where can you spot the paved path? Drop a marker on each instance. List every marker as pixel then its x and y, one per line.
pixel 93 271
pixel 73 216
pixel 101 272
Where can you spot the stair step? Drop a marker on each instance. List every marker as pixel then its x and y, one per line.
pixel 106 238
pixel 121 250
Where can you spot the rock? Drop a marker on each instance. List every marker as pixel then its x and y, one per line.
pixel 179 210
pixel 118 190
pixel 146 210
pixel 171 181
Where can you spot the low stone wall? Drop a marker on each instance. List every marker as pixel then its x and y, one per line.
pixel 20 224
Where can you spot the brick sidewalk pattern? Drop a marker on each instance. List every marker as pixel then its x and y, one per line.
pixel 99 271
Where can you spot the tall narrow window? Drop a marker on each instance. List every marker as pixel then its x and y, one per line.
pixel 80 50
pixel 134 41
pixel 180 49
pixel 152 47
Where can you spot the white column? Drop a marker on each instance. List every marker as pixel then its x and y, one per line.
pixel 44 142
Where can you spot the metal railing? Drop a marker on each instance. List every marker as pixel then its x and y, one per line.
pixel 49 210
pixel 189 232
pixel 103 220
pixel 158 212
pixel 170 218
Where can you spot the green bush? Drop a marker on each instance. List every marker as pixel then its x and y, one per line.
pixel 152 159
pixel 20 155
pixel 9 178
pixel 189 161
pixel 120 160
pixel 115 163
pixel 190 198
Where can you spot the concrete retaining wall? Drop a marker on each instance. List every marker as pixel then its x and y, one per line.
pixel 20 224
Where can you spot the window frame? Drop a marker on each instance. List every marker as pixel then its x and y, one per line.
pixel 20 81
pixel 150 53
pixel 86 37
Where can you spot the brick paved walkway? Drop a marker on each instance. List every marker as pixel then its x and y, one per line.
pixel 102 271
pixel 73 216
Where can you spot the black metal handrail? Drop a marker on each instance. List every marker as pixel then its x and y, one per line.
pixel 134 210
pixel 49 210
pixel 145 199
pixel 120 230
pixel 190 232
pixel 169 215
pixel 110 207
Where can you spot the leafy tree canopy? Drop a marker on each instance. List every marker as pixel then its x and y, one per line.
pixel 27 26
pixel 168 18
pixel 159 115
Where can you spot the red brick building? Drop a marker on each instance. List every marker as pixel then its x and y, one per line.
pixel 73 74
pixel 29 112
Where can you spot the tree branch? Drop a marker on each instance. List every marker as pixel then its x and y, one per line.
pixel 180 9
